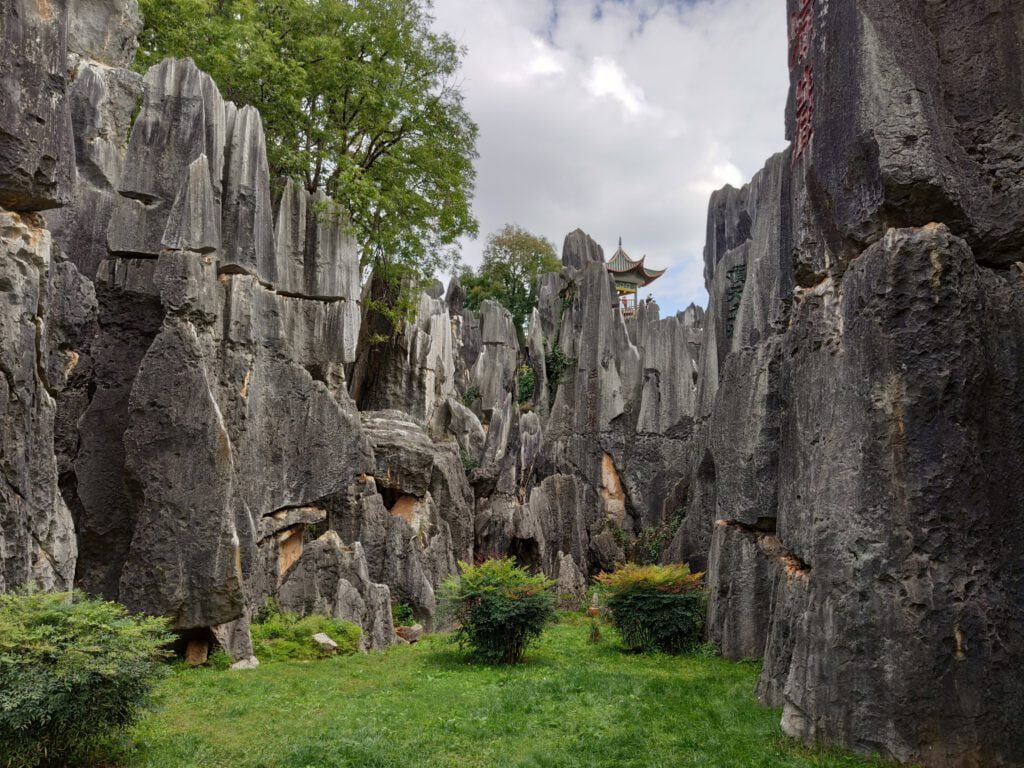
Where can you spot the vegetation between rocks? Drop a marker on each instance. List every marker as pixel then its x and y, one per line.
pixel 284 636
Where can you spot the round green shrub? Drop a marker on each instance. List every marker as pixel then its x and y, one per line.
pixel 656 607
pixel 499 609
pixel 75 673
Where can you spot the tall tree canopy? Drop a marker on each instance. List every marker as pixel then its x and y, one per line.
pixel 513 261
pixel 359 98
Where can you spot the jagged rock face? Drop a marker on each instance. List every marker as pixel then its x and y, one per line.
pixel 860 390
pixel 37 542
pixel 495 369
pixel 37 161
pixel 743 565
pixel 130 316
pixel 580 249
pixel 907 113
pixel 899 490
pixel 183 118
pixel 183 561
pixel 735 450
pixel 333 579
pixel 48 308
pixel 411 371
pixel 600 383
pixel 462 424
pixel 102 100
pixel 257 327
pixel 420 523
pixel 104 30
pixel 626 403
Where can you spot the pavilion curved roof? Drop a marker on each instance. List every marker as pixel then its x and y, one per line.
pixel 620 264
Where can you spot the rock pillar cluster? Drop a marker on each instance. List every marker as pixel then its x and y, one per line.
pixel 199 412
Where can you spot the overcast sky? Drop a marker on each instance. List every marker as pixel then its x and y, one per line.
pixel 619 117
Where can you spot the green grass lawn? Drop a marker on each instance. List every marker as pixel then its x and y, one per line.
pixel 569 704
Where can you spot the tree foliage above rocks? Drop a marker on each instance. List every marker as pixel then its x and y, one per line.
pixel 359 98
pixel 513 261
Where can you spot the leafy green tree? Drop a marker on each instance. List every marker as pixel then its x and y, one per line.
pixel 513 261
pixel 359 98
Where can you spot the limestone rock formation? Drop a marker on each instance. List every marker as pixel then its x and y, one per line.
pixel 421 523
pixel 200 295
pixel 924 540
pixel 853 491
pixel 37 537
pixel 496 364
pixel 37 164
pixel 105 31
pixel 47 307
pixel 412 370
pixel 334 580
pixel 837 437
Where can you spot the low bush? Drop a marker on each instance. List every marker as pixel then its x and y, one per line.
pixel 656 607
pixel 75 673
pixel 470 396
pixel 556 363
pixel 402 614
pixel 469 461
pixel 499 609
pixel 284 636
pixel 527 385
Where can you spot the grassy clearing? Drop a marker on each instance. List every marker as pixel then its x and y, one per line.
pixel 569 704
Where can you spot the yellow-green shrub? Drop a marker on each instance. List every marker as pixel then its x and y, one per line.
pixel 655 607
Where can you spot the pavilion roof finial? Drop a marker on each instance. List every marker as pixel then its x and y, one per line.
pixel 620 241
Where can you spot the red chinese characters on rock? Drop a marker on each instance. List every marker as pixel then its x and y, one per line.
pixel 804 113
pixel 801 31
pixel 801 36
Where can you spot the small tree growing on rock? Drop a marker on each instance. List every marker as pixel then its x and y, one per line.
pixel 499 608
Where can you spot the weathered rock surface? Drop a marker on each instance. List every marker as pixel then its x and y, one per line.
pixel 859 395
pixel 213 307
pixel 37 153
pixel 104 30
pixel 102 100
pixel 421 523
pixel 183 560
pixel 910 113
pixel 37 538
pixel 907 386
pixel 839 432
pixel 495 369
pixel 183 118
pixel 412 371
pixel 333 579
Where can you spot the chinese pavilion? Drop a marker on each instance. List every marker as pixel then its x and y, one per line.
pixel 630 276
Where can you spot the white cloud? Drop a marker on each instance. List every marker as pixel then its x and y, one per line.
pixel 620 117
pixel 606 78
